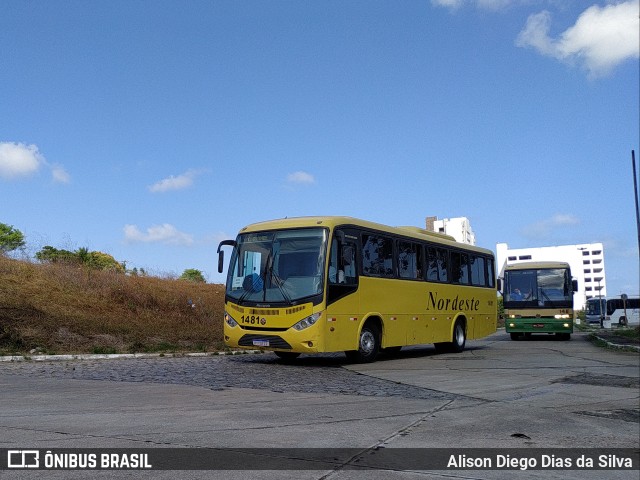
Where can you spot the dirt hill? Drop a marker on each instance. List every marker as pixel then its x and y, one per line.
pixel 66 308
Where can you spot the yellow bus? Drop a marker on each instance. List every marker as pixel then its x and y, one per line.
pixel 538 298
pixel 333 284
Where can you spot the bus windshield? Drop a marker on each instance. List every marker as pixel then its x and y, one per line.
pixel 538 288
pixel 596 306
pixel 282 266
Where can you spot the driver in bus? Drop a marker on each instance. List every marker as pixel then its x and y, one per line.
pixel 516 295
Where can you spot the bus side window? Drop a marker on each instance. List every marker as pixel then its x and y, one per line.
pixel 432 265
pixel 460 268
pixel 490 273
pixel 349 264
pixel 409 260
pixel 377 256
pixel 342 264
pixel 443 264
pixel 335 274
pixel 437 264
pixel 478 272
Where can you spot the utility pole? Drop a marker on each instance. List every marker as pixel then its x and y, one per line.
pixel 635 190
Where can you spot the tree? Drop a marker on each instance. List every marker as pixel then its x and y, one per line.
pixel 53 255
pixel 104 261
pixel 193 275
pixel 10 239
pixel 82 256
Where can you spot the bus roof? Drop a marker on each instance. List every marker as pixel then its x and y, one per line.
pixel 335 221
pixel 536 265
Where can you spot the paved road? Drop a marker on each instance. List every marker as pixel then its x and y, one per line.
pixel 497 393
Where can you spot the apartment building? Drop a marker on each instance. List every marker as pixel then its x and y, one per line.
pixel 459 228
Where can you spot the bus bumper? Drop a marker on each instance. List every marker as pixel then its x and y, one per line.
pixel 304 341
pixel 538 325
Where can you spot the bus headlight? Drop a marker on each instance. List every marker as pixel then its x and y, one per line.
pixel 564 315
pixel 229 320
pixel 307 322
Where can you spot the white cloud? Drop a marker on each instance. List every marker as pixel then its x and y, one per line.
pixel 165 233
pixel 543 228
pixel 494 4
pixel 60 175
pixel 302 178
pixel 180 182
pixel 602 37
pixel 19 160
pixel 453 4
pixel 560 219
pixel 483 4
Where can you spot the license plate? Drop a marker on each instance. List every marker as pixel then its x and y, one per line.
pixel 538 325
pixel 261 343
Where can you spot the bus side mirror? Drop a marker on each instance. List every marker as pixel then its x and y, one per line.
pixel 574 285
pixel 223 243
pixel 220 261
pixel 500 285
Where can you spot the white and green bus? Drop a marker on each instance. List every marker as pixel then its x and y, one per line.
pixel 538 298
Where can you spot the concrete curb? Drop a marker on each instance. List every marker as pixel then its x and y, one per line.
pixel 617 346
pixel 116 356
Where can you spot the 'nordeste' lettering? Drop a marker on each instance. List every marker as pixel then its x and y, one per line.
pixel 444 304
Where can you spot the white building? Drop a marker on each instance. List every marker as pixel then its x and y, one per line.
pixel 586 261
pixel 459 228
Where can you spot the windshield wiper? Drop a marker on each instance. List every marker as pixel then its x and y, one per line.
pixel 278 281
pixel 544 294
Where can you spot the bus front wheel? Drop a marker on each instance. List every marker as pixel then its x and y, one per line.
pixel 287 356
pixel 368 346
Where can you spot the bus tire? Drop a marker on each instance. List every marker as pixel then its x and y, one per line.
pixel 287 356
pixel 622 321
pixel 515 336
pixel 368 345
pixel 459 337
pixel 563 336
pixel 458 341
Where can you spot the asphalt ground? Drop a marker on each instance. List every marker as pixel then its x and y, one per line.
pixel 499 394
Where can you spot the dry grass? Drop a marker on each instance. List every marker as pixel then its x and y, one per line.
pixel 69 309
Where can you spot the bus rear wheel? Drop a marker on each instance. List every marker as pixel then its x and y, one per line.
pixel 458 341
pixel 368 346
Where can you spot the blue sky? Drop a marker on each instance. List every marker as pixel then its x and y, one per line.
pixel 152 130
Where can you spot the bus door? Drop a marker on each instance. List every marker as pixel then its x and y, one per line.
pixel 343 301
